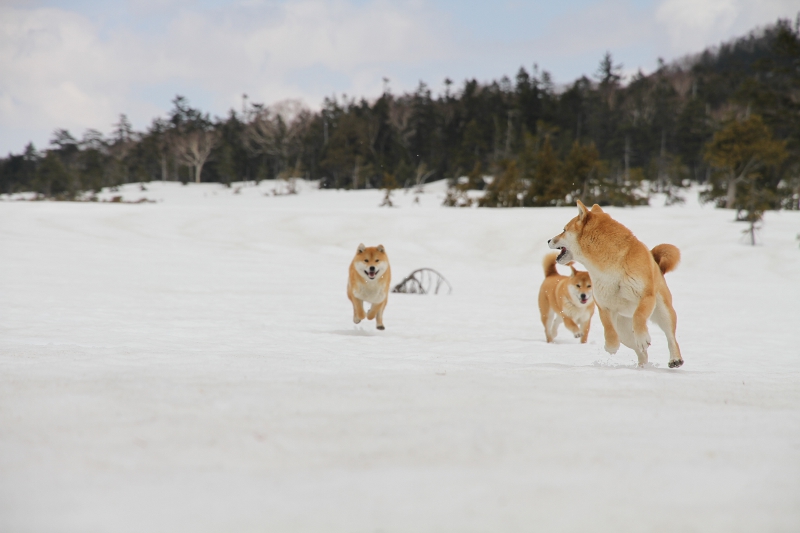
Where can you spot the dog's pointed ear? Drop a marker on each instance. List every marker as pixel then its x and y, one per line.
pixel 582 211
pixel 381 249
pixel 572 267
pixel 596 209
pixel 361 248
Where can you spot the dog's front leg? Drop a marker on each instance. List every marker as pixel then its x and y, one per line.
pixel 609 330
pixel 358 310
pixel 572 327
pixel 379 313
pixel 643 311
pixel 585 331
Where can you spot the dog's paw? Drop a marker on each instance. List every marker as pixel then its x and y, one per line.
pixel 675 363
pixel 381 327
pixel 577 335
pixel 611 348
pixel 356 320
pixel 642 341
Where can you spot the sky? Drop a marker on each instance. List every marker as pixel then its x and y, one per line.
pixel 79 64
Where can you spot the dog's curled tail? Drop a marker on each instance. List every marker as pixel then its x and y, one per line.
pixel 667 257
pixel 549 265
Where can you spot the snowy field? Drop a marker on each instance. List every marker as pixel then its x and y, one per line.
pixel 190 365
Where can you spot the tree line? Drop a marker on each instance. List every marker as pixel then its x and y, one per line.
pixel 728 117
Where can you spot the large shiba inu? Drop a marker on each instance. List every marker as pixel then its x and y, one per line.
pixel 369 281
pixel 567 299
pixel 627 278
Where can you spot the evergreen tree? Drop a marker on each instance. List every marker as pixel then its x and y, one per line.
pixel 739 154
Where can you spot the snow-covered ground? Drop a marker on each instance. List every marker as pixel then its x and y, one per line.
pixel 191 365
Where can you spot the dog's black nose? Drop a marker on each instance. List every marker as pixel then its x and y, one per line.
pixel 372 269
pixel 583 296
pixel 548 241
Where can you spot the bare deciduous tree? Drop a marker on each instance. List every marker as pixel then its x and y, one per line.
pixel 400 115
pixel 194 147
pixel 277 131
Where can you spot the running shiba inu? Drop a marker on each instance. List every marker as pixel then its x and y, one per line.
pixel 369 281
pixel 567 299
pixel 628 280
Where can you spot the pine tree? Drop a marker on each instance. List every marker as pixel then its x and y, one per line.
pixel 506 189
pixel 739 152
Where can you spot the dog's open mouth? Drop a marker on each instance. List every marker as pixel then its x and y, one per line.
pixel 584 300
pixel 561 254
pixel 371 274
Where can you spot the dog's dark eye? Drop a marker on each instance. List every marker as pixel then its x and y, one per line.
pixel 377 260
pixel 588 286
pixel 366 260
pixel 578 285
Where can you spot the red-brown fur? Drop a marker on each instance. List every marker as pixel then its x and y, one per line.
pixel 560 300
pixel 361 287
pixel 628 280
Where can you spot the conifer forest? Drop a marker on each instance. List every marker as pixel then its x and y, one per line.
pixel 727 118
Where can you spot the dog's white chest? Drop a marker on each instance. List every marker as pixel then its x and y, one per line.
pixel 578 312
pixel 606 289
pixel 371 291
pixel 615 292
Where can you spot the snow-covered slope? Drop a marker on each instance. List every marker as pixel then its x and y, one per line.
pixel 191 365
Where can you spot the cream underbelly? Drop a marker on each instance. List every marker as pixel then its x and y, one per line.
pixel 372 292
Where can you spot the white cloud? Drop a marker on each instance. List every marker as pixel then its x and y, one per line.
pixel 58 70
pixel 694 24
pixel 62 68
pixel 690 23
pixel 605 25
pixel 49 59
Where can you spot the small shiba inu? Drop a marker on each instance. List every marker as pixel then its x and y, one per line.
pixel 628 280
pixel 567 299
pixel 369 281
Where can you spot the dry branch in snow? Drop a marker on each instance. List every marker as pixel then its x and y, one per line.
pixel 423 281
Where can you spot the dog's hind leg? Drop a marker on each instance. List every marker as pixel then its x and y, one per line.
pixel 554 326
pixel 628 338
pixel 547 317
pixel 665 317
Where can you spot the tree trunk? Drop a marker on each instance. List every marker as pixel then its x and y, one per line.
pixel 627 158
pixel 797 195
pixel 197 170
pixel 730 197
pixel 662 162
